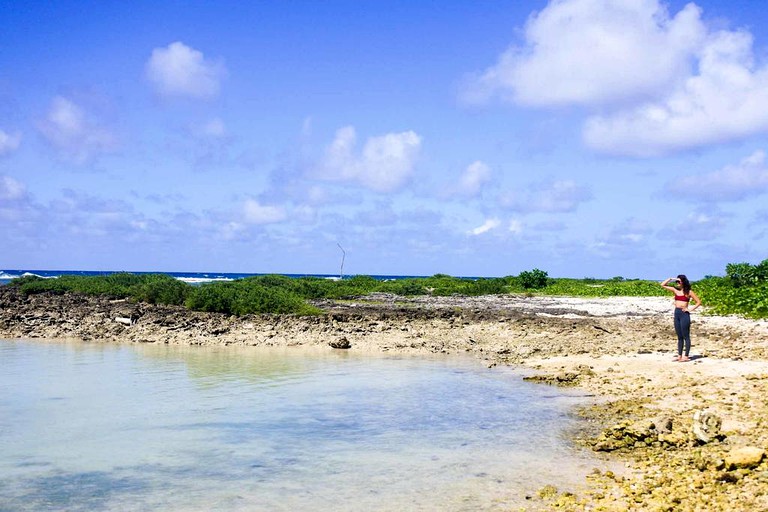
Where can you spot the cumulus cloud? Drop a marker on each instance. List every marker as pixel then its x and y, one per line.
pixel 75 133
pixel 472 180
pixel 700 225
pixel 9 142
pixel 726 100
pixel 256 213
pixel 487 226
pixel 588 52
pixel 627 239
pixel 384 164
pixel 180 71
pixel 558 196
pixel 662 83
pixel 731 183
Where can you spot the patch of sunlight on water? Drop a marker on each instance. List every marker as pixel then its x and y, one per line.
pixel 119 427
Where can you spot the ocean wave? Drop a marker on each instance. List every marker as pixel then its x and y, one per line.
pixel 201 280
pixel 15 275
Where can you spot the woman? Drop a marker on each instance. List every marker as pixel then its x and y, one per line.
pixel 683 296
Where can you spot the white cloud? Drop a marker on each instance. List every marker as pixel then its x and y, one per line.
pixel 662 83
pixel 589 52
pixel 256 213
pixel 488 225
pixel 515 226
pixel 76 134
pixel 180 71
pixel 700 225
pixel 726 100
pixel 11 190
pixel 472 179
pixel 548 197
pixel 384 164
pixel 731 183
pixel 9 142
pixel 628 239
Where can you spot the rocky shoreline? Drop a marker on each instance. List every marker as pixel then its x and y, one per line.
pixel 694 434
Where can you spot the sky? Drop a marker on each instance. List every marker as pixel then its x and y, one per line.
pixel 585 138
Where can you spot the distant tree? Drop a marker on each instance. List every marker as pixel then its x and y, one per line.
pixel 533 278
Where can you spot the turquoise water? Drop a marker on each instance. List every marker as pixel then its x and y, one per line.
pixel 122 427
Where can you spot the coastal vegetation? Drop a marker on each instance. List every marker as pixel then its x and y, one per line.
pixel 743 290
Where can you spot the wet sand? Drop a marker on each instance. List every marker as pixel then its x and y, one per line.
pixel 618 348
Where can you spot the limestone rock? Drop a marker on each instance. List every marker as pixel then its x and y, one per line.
pixel 744 458
pixel 706 426
pixel 663 425
pixel 341 343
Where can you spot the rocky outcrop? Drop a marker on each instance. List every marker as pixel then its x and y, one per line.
pixel 498 329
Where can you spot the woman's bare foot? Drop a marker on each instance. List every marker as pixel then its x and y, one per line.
pixel 684 359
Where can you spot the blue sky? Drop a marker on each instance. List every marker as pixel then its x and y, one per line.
pixel 587 138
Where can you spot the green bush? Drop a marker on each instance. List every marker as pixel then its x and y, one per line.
pixel 406 287
pixel 161 289
pixel 610 288
pixel 153 288
pixel 723 297
pixel 212 297
pixel 313 287
pixel 533 279
pixel 744 274
pixel 246 296
pixel 491 286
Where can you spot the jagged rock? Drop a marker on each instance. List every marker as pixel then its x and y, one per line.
pixel 744 458
pixel 706 426
pixel 627 434
pixel 663 425
pixel 559 379
pixel 341 343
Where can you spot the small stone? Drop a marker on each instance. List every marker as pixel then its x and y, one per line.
pixel 663 425
pixel 341 343
pixel 548 491
pixel 744 458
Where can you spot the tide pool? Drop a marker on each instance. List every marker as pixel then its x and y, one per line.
pixel 125 427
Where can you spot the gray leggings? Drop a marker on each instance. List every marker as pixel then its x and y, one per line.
pixel 683 330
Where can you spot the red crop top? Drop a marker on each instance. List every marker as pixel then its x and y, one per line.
pixel 682 298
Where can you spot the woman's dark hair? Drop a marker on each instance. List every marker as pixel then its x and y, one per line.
pixel 685 283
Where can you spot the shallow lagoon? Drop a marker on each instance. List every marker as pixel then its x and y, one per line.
pixel 125 427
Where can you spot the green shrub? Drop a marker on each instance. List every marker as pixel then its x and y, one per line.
pixel 313 287
pixel 744 274
pixel 161 289
pixel 722 297
pixel 246 296
pixel 492 286
pixel 533 279
pixel 406 287
pixel 212 297
pixel 154 288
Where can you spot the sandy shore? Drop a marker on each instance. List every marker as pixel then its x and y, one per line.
pixel 618 348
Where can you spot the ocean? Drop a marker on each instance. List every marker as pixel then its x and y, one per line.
pixel 194 278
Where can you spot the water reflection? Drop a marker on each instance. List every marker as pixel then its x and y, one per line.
pixel 110 427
